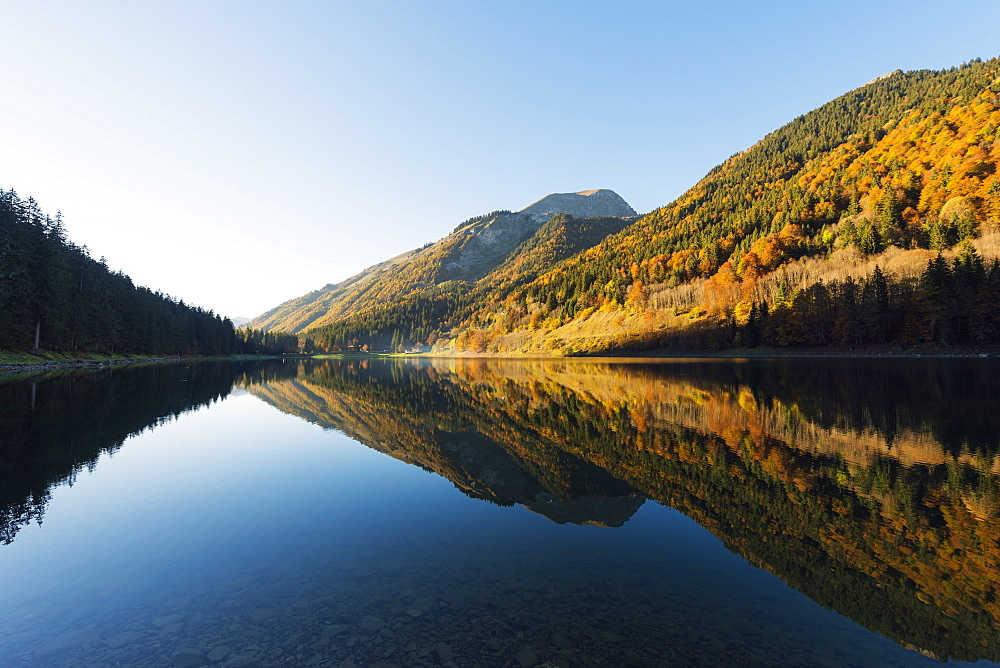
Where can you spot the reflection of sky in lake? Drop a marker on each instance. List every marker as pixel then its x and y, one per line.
pixel 238 535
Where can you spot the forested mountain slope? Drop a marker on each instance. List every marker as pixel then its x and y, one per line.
pixel 890 173
pixel 906 162
pixel 872 220
pixel 53 295
pixel 431 311
pixel 474 249
pixel 297 314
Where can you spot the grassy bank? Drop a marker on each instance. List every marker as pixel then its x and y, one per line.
pixel 20 357
pixel 17 361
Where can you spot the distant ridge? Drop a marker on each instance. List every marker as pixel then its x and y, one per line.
pixel 583 204
pixel 474 250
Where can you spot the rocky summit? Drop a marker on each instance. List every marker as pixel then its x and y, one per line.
pixel 583 204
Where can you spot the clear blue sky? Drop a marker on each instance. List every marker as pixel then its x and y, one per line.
pixel 238 154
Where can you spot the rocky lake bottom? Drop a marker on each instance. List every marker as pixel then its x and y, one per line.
pixel 468 600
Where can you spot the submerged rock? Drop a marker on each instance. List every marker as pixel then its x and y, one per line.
pixel 372 623
pixel 527 658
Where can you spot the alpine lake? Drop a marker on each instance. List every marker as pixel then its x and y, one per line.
pixel 483 512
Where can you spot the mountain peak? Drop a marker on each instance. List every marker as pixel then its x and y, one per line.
pixel 583 204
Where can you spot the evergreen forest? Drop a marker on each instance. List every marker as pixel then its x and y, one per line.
pixel 55 296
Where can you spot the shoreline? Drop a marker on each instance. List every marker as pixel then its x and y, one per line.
pixel 83 362
pixel 741 353
pixel 737 353
pixel 55 365
pixel 25 367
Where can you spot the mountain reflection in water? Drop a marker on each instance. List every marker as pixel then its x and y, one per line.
pixel 869 486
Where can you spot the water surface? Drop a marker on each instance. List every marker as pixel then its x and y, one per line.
pixel 477 513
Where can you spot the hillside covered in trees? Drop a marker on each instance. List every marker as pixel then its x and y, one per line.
pixel 872 220
pixel 469 255
pixel 429 312
pixel 55 296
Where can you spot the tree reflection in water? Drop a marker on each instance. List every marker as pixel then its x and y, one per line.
pixel 869 485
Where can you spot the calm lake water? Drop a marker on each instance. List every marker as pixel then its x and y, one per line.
pixel 501 513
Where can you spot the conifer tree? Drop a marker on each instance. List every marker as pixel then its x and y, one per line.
pixel 888 218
